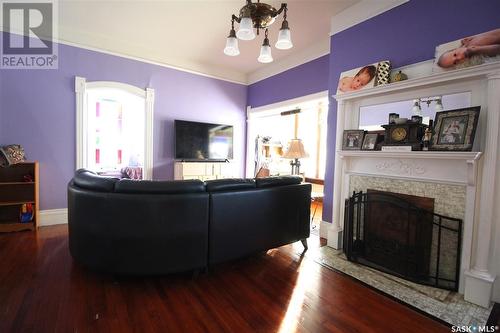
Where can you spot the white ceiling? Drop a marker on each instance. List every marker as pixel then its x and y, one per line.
pixel 191 34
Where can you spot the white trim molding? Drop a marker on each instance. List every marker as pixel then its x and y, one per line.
pixel 287 104
pixel 362 11
pixel 324 226
pixel 53 217
pixel 82 87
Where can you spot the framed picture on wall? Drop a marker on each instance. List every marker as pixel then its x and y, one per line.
pixel 455 129
pixel 352 139
pixel 468 51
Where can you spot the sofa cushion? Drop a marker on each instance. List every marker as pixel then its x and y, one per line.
pixel 159 187
pixel 278 181
pixel 229 184
pixel 89 180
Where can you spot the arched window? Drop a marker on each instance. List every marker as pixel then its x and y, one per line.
pixel 114 128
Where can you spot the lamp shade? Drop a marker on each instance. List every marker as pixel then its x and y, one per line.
pixel 295 150
pixel 439 105
pixel 417 111
pixel 231 48
pixel 245 32
pixel 265 54
pixel 284 40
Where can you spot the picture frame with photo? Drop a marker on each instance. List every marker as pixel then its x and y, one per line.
pixel 468 51
pixel 370 141
pixel 352 139
pixel 455 129
pixel 358 79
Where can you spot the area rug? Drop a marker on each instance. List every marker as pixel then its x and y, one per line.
pixel 444 305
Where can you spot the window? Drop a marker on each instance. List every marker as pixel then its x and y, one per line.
pixel 114 129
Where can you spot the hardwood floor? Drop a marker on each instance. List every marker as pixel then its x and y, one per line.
pixel 43 290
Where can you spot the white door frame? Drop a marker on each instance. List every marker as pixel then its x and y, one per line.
pixel 81 90
pixel 268 110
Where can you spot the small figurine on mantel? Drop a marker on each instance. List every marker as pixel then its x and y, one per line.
pixel 400 76
pixel 426 140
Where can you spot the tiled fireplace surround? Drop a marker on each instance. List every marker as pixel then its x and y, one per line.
pixel 463 184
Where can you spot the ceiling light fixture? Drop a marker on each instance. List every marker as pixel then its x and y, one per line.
pixel 257 15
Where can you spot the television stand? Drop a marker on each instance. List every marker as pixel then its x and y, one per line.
pixel 204 170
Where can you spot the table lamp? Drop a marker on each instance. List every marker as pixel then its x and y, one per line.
pixel 294 152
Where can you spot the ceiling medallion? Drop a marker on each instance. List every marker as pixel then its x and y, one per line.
pixel 257 15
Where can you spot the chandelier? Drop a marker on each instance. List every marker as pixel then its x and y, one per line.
pixel 257 15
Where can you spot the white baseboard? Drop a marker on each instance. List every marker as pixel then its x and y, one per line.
pixel 323 229
pixel 53 216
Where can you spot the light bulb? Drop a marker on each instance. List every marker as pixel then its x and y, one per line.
pixel 245 31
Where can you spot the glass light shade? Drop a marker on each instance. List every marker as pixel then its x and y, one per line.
pixel 245 31
pixel 417 111
pixel 265 54
pixel 295 150
pixel 284 40
pixel 439 105
pixel 231 48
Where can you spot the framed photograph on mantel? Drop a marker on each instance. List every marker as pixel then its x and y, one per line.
pixel 455 129
pixel 370 141
pixel 352 139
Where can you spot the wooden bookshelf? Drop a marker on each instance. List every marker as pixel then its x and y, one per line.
pixel 15 190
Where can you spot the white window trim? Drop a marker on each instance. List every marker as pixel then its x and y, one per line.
pixel 81 90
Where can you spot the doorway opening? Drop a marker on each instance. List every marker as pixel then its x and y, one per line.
pixel 282 134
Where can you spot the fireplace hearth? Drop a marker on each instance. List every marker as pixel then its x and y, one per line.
pixel 401 235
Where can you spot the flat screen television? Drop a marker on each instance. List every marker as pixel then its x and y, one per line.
pixel 196 141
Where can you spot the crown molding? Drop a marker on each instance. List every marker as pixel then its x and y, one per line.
pixel 312 52
pixel 188 67
pixel 362 11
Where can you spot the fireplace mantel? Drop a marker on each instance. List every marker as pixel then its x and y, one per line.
pixel 477 171
pixel 451 167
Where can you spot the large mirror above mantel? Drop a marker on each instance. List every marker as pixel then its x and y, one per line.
pixel 371 117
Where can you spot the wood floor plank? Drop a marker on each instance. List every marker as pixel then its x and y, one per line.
pixel 43 290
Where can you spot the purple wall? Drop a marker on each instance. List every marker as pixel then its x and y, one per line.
pixel 306 79
pixel 38 111
pixel 404 35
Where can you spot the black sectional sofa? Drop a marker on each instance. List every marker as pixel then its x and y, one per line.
pixel 159 227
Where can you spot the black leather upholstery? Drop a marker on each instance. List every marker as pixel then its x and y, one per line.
pixel 246 222
pixel 161 187
pixel 231 184
pixel 144 227
pixel 138 234
pixel 278 181
pixel 89 180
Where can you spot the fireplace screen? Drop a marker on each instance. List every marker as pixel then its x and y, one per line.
pixel 395 234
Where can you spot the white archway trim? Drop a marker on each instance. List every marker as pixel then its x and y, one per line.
pixel 81 89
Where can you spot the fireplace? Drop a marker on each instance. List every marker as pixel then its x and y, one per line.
pixel 402 235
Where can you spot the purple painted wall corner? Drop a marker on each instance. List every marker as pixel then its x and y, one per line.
pixel 305 79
